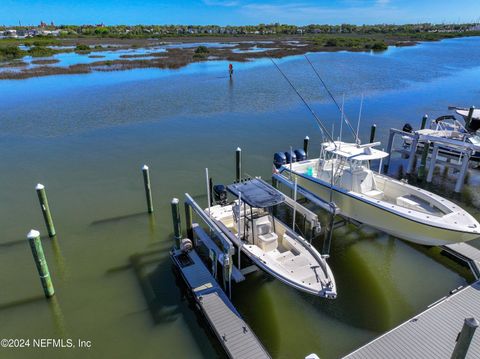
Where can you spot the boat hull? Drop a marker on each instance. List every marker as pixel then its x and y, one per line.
pixel 381 219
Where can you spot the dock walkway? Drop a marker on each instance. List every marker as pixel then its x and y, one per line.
pixel 468 254
pixel 236 337
pixel 432 333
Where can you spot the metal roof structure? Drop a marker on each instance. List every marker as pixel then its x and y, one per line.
pixel 257 193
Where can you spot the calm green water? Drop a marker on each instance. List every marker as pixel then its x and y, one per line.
pixel 86 137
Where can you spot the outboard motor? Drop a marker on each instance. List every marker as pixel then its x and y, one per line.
pixel 220 194
pixel 279 159
pixel 407 128
pixel 300 154
pixel 290 157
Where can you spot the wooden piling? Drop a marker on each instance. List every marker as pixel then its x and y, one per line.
pixel 424 121
pixel 470 325
pixel 238 164
pixel 210 186
pixel 189 220
pixel 177 232
pixel 373 129
pixel 412 156
pixel 148 188
pixel 47 216
pixel 463 172
pixel 423 162
pixel 306 140
pixel 41 263
pixel 433 161
pixel 468 120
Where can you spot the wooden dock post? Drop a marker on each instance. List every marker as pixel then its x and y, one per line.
pixel 413 150
pixel 373 129
pixel 238 164
pixel 423 161
pixel 433 161
pixel 42 266
pixel 424 121
pixel 306 140
pixel 468 120
pixel 177 231
pixel 47 216
pixel 148 188
pixel 210 186
pixel 464 338
pixel 463 172
pixel 391 137
pixel 189 221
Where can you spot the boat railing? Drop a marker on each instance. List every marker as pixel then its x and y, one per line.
pixel 212 224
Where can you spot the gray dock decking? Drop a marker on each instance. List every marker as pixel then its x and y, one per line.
pixel 468 253
pixel 433 333
pixel 232 331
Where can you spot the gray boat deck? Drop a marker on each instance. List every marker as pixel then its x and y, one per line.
pixel 234 334
pixel 468 253
pixel 432 333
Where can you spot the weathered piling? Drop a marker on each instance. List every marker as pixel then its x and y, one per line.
pixel 468 120
pixel 433 161
pixel 148 188
pixel 463 172
pixel 412 155
pixel 238 164
pixel 306 140
pixel 210 186
pixel 42 266
pixel 373 129
pixel 189 220
pixel 465 338
pixel 177 232
pixel 423 162
pixel 424 121
pixel 47 216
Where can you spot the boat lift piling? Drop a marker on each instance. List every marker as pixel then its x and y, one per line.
pixel 306 140
pixel 466 151
pixel 47 216
pixel 176 222
pixel 238 164
pixel 373 129
pixel 148 188
pixel 41 263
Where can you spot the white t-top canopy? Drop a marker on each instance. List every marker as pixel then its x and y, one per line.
pixel 352 151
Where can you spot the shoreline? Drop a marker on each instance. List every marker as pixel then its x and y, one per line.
pixel 236 49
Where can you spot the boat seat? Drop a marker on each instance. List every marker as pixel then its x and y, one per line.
pixel 374 193
pixel 267 239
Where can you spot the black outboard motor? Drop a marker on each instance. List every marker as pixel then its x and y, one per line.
pixel 290 157
pixel 279 159
pixel 300 154
pixel 407 128
pixel 220 194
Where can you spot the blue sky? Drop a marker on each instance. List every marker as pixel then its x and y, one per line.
pixel 237 12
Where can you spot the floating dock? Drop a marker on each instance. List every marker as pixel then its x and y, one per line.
pixel 466 253
pixel 434 332
pixel 234 334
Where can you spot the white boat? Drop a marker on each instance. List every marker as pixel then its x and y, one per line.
pixel 268 242
pixel 343 174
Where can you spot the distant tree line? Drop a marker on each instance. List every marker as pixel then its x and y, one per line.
pixel 101 30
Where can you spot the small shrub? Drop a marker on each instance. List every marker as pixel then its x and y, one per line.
pixel 201 50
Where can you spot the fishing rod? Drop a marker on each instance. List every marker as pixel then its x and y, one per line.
pixel 321 126
pixel 355 134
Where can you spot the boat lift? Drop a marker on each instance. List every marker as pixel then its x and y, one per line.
pixel 222 253
pixel 466 150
